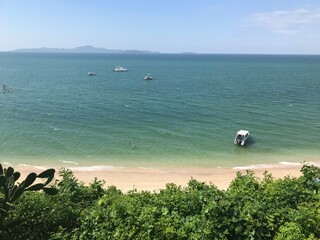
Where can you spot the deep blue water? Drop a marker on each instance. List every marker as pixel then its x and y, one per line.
pixel 187 115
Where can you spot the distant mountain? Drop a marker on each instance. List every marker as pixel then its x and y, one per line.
pixel 82 49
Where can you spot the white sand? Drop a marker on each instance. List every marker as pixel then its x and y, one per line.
pixel 129 178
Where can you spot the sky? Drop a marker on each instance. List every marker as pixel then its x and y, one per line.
pixel 167 26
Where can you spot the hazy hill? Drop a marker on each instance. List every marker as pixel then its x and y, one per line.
pixel 82 49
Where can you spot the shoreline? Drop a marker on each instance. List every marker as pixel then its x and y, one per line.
pixel 154 179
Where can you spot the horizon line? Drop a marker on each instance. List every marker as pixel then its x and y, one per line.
pixel 89 49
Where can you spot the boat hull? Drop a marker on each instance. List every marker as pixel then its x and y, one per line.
pixel 241 137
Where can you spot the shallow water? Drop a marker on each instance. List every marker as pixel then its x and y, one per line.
pixel 187 115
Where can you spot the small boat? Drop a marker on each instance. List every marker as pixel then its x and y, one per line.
pixel 148 77
pixel 241 137
pixel 120 69
pixel 91 74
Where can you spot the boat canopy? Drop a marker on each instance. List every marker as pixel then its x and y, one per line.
pixel 242 132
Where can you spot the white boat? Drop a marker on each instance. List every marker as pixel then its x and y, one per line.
pixel 91 73
pixel 120 69
pixel 241 137
pixel 148 77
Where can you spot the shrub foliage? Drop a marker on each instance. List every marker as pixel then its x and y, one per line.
pixel 251 208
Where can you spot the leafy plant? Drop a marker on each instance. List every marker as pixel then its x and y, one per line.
pixel 251 208
pixel 11 190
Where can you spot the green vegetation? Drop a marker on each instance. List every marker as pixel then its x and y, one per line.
pixel 251 208
pixel 12 191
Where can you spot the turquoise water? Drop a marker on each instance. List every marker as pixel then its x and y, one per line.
pixel 188 115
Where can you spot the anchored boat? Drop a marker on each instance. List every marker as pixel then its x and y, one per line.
pixel 241 137
pixel 120 69
pixel 148 77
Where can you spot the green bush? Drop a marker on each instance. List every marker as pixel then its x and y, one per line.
pixel 39 216
pixel 251 208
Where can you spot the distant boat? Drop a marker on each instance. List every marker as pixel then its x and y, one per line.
pixel 120 69
pixel 148 77
pixel 91 74
pixel 241 137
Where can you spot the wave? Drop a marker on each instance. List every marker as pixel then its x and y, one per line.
pixel 36 167
pixel 55 128
pixel 91 168
pixel 268 166
pixel 96 168
pixel 23 165
pixel 68 162
pixel 284 163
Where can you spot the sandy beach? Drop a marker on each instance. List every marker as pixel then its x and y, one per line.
pixel 155 179
pixel 152 179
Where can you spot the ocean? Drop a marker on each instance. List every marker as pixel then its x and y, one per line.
pixel 188 115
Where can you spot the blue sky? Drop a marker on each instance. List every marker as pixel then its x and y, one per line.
pixel 169 26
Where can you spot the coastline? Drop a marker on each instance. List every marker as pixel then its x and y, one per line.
pixel 153 179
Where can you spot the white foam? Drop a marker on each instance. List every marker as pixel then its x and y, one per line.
pixel 41 168
pixel 68 162
pixel 36 167
pixel 23 165
pixel 256 166
pixel 290 163
pixel 282 164
pixel 91 168
pixel 54 128
pixel 268 166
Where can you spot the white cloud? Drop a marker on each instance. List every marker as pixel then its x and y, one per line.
pixel 285 22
